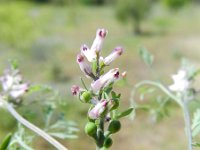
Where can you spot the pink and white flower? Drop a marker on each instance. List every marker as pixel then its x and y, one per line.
pixel 98 41
pixel 98 109
pixel 115 54
pixel 85 68
pixel 89 54
pixel 12 83
pixel 181 82
pixel 105 80
pixel 75 89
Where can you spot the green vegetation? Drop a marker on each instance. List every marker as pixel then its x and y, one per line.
pixel 46 38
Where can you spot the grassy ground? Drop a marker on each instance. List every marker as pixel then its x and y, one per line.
pixel 45 39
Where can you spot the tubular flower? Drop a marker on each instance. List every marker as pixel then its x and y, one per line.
pixel 116 53
pixel 85 68
pixel 98 109
pixel 181 82
pixel 89 54
pixel 105 80
pixel 98 41
pixel 12 83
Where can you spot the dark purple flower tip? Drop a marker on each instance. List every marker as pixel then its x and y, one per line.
pixel 80 58
pixel 75 89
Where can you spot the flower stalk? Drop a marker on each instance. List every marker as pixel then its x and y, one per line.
pixel 31 126
pixel 187 121
pixel 101 97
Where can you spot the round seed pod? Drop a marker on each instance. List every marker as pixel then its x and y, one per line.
pixel 114 126
pixel 86 96
pixel 108 142
pixel 90 128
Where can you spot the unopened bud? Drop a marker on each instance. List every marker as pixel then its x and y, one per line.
pixel 75 89
pixel 124 74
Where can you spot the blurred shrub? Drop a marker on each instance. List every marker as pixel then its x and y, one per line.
pixel 14 24
pixel 175 4
pixel 133 10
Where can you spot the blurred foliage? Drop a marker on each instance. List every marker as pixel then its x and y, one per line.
pixel 133 10
pixel 175 4
pixel 19 21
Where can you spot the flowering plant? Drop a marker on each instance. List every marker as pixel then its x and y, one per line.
pixel 104 102
pixel 13 89
pixel 181 91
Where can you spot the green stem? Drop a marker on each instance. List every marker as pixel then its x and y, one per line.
pixel 187 124
pixel 159 85
pixel 32 127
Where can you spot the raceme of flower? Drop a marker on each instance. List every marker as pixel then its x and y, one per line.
pixel 181 81
pixel 103 100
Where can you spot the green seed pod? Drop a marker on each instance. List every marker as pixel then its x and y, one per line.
pixel 114 126
pixel 90 128
pixel 86 96
pixel 108 143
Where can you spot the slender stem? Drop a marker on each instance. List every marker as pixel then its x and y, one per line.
pixel 159 85
pixel 98 67
pixel 187 124
pixel 32 127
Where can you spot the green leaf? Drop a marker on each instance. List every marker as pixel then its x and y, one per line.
pixel 6 142
pixel 94 66
pixel 146 56
pixel 62 135
pixel 124 113
pixel 14 64
pixel 196 144
pixel 196 123
pixel 37 88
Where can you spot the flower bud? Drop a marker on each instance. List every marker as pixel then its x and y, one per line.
pixel 108 142
pixel 86 96
pixel 75 89
pixel 89 54
pixel 98 109
pixel 90 128
pixel 85 68
pixel 114 126
pixel 124 74
pixel 98 42
pixel 105 80
pixel 116 53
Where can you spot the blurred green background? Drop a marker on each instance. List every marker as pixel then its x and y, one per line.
pixel 45 37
